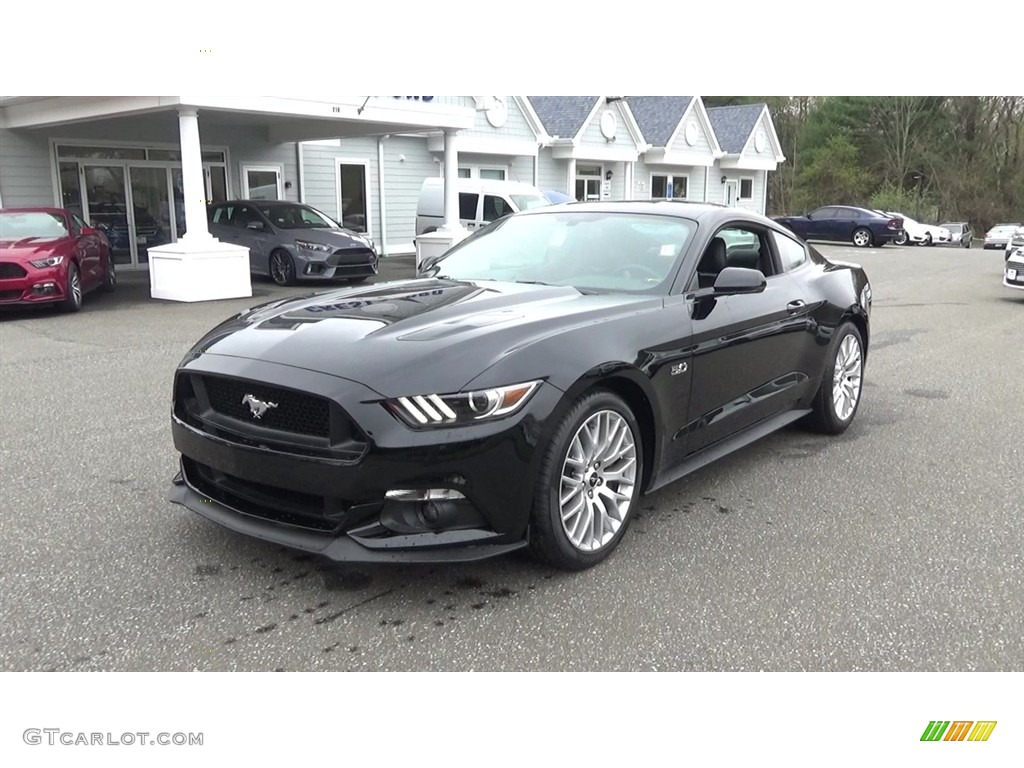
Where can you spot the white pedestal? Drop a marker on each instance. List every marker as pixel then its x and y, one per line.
pixel 199 270
pixel 437 242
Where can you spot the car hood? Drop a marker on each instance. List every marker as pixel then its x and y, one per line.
pixel 327 236
pixel 424 335
pixel 31 248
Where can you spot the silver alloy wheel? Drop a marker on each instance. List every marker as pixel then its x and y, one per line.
pixel 598 479
pixel 846 378
pixel 76 288
pixel 861 237
pixel 279 268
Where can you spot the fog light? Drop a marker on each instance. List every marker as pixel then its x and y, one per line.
pixel 41 289
pixel 424 494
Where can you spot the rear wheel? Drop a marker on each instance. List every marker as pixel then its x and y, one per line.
pixel 282 269
pixel 839 395
pixel 589 483
pixel 72 290
pixel 862 237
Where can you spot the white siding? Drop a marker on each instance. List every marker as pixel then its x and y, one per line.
pixel 402 183
pixel 320 164
pixel 552 173
pixel 716 190
pixel 25 174
pixel 515 127
pixel 767 152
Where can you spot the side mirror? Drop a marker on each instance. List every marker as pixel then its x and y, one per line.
pixel 89 231
pixel 255 225
pixel 733 280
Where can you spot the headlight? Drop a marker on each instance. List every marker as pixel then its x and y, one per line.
pixel 52 261
pixel 419 411
pixel 316 247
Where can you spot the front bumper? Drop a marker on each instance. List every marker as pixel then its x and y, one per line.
pixel 340 264
pixel 337 506
pixel 1015 268
pixel 37 286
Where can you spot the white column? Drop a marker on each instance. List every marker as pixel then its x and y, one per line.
pixel 570 183
pixel 626 185
pixel 451 181
pixel 192 181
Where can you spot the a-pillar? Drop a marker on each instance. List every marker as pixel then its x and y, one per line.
pixel 198 267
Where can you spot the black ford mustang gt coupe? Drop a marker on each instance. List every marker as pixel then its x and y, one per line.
pixel 524 390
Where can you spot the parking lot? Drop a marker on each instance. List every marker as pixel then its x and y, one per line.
pixel 896 546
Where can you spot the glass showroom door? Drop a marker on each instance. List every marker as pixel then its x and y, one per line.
pixel 151 209
pixel 106 202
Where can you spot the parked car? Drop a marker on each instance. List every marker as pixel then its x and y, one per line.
pixel 844 223
pixel 112 220
pixel 960 233
pixel 524 390
pixel 1016 242
pixel 999 235
pixel 292 241
pixel 481 201
pixel 50 256
pixel 1013 270
pixel 920 234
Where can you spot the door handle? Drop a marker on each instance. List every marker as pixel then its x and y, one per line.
pixel 794 306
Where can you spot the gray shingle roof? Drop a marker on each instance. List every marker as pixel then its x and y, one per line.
pixel 733 125
pixel 658 116
pixel 562 115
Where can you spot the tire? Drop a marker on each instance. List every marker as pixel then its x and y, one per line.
pixel 572 466
pixel 902 239
pixel 966 243
pixel 862 237
pixel 357 280
pixel 109 284
pixel 827 416
pixel 73 290
pixel 282 268
pixel 928 239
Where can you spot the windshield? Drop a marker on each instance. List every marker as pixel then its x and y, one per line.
pixel 17 225
pixel 296 217
pixel 526 202
pixel 954 228
pixel 590 250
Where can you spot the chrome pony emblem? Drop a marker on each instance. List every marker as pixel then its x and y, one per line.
pixel 256 406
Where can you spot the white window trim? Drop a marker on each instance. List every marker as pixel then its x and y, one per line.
pixel 585 177
pixel 739 190
pixel 474 170
pixel 672 176
pixel 276 168
pixel 340 161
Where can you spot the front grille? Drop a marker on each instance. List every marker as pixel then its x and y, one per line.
pixel 10 295
pixel 291 421
pixel 300 510
pixel 8 271
pixel 291 411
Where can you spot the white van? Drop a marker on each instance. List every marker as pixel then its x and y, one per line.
pixel 481 201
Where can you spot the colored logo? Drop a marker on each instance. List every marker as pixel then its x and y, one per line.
pixel 958 730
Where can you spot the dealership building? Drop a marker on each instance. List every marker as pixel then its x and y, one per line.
pixel 156 160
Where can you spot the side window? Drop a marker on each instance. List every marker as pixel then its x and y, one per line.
pixel 735 246
pixel 467 205
pixel 77 225
pixel 791 253
pixel 495 208
pixel 746 189
pixel 222 215
pixel 243 216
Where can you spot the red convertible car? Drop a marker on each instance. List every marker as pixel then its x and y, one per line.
pixel 50 256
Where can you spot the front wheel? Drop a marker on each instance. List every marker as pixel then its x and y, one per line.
pixel 589 483
pixel 862 238
pixel 109 284
pixel 839 395
pixel 72 290
pixel 928 239
pixel 901 239
pixel 282 269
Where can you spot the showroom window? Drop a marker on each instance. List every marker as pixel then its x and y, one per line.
pixel 746 189
pixel 670 187
pixel 478 172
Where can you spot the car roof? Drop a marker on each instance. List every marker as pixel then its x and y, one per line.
pixel 681 208
pixel 261 202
